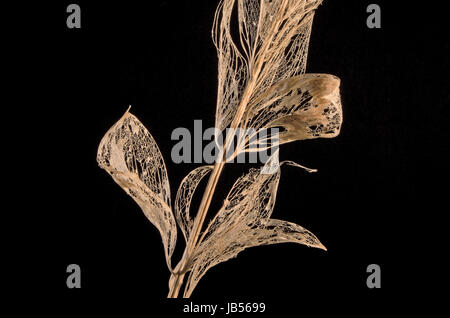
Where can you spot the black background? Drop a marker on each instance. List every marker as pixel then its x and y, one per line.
pixel 375 180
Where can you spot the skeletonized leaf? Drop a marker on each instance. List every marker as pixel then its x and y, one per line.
pixel 305 107
pixel 184 198
pixel 131 156
pixel 243 222
pixel 251 199
pixel 273 45
pixel 278 231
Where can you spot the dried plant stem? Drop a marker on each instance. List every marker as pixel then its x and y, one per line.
pixel 176 283
pixel 174 288
pixel 255 76
pixel 200 218
pixel 213 179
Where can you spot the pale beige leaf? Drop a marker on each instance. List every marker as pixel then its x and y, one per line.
pixel 243 222
pixel 131 156
pixel 278 231
pixel 273 45
pixel 184 198
pixel 303 107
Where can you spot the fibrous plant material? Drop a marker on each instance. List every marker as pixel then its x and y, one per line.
pixel 262 84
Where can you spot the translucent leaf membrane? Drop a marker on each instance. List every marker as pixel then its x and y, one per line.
pixel 273 45
pixel 184 198
pixel 244 221
pixel 303 107
pixel 131 156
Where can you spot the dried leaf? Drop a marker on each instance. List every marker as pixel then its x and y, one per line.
pixel 184 198
pixel 131 156
pixel 273 46
pixel 278 231
pixel 243 222
pixel 304 107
